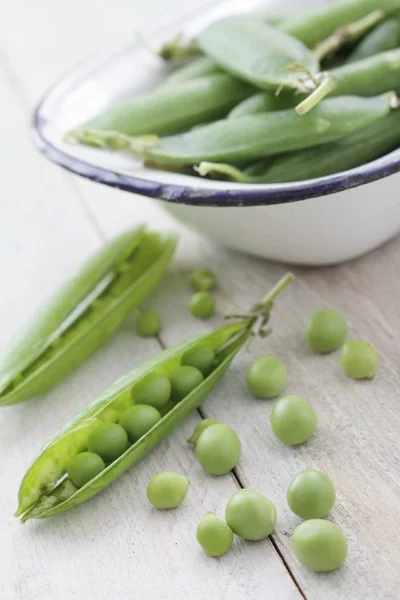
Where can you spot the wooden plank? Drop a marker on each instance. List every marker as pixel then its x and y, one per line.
pixel 115 545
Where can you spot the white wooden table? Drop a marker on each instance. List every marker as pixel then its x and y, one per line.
pixel 116 546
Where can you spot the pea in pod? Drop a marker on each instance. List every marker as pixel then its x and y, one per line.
pixel 83 313
pixel 46 490
pixel 352 151
pixel 258 53
pixel 172 108
pixel 314 26
pixel 255 136
pixel 370 76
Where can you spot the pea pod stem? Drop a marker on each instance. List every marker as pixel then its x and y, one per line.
pixel 347 33
pixel 327 84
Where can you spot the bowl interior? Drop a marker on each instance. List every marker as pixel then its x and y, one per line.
pixel 107 78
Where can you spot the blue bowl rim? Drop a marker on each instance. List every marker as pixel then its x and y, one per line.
pixel 244 195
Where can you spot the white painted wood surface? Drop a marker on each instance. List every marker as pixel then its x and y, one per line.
pixel 115 546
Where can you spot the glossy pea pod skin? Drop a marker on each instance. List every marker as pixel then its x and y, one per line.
pixel 45 490
pixel 316 25
pixel 385 37
pixel 357 149
pixel 268 134
pixel 83 313
pixel 256 52
pixel 172 108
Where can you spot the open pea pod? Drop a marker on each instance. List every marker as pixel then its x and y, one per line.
pixel 83 313
pixel 46 489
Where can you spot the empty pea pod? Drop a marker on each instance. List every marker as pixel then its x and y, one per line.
pixel 352 151
pixel 46 488
pixel 256 136
pixel 171 108
pixel 316 25
pixel 383 38
pixel 83 313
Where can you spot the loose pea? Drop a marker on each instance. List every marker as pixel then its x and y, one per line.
pixel 83 467
pixel 167 490
pixel 293 420
pixel 359 360
pixel 184 380
pixel 250 515
pixel 326 331
pixel 202 358
pixel 155 390
pixel 213 535
pixel 202 305
pixel 311 494
pixel 108 441
pixel 148 323
pixel 202 280
pixel 266 377
pixel 200 427
pixel 139 419
pixel 218 449
pixel 319 545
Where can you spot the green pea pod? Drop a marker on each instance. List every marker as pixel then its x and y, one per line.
pixel 46 490
pixel 261 103
pixel 384 37
pixel 83 313
pixel 314 26
pixel 198 67
pixel 258 53
pixel 256 136
pixel 354 150
pixel 370 76
pixel 172 108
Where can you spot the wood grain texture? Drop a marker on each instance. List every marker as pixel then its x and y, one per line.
pixel 115 546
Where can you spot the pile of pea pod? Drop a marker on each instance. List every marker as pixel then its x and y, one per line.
pixel 259 100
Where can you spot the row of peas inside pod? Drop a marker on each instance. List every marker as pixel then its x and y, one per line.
pixel 318 544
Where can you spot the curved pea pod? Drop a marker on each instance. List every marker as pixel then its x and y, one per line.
pixel 258 53
pixel 83 313
pixel 256 136
pixel 383 38
pixel 46 490
pixel 314 26
pixel 172 108
pixel 370 76
pixel 263 102
pixel 354 150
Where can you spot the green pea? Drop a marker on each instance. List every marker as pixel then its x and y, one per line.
pixel 311 494
pixel 202 280
pixel 326 331
pixel 266 377
pixel 167 490
pixel 108 441
pixel 139 419
pixel 218 449
pixel 319 545
pixel 359 360
pixel 250 515
pixel 293 420
pixel 184 380
pixel 200 427
pixel 202 305
pixel 155 390
pixel 213 535
pixel 148 323
pixel 83 467
pixel 201 357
